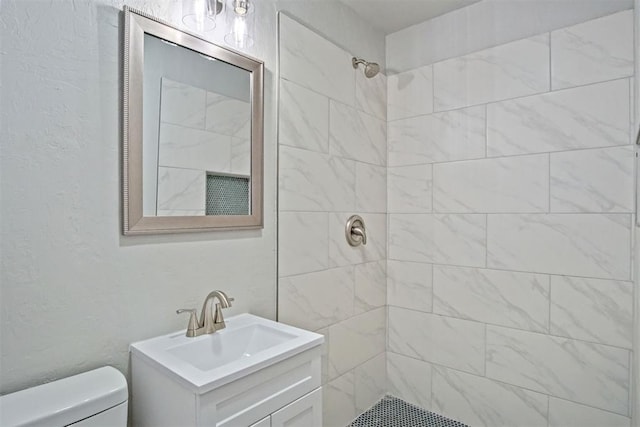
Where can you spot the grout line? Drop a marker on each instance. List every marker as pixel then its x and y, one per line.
pixel 506 156
pixel 521 213
pixel 513 328
pixel 434 113
pixel 548 404
pixel 510 270
pixel 537 93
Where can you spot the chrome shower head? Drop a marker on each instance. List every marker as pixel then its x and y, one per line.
pixel 370 68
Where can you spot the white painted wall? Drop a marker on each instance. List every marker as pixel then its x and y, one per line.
pixel 74 292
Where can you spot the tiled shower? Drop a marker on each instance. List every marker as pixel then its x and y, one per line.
pixel 332 163
pixel 497 190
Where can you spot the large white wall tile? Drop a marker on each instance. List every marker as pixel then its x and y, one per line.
pixel 479 401
pixel 584 117
pixel 409 189
pixel 594 245
pixel 597 50
pixel 341 253
pixel 438 137
pixel 409 235
pixel 446 341
pixel 563 413
pixel 311 181
pixel 485 24
pixel 515 184
pixel 410 94
pixel 228 116
pixel 240 156
pixel 515 69
pixel 316 300
pixel 457 239
pixel 356 340
pixel 180 189
pixel 409 379
pixel 370 382
pixel 600 180
pixel 371 188
pixel 583 372
pixel 409 285
pixel 182 104
pixel 370 286
pixel 592 310
pixel 295 254
pixel 356 135
pixel 188 148
pixel 339 401
pixel 518 300
pixel 314 62
pixel 303 118
pixel 371 95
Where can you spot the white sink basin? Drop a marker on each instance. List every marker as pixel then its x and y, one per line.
pixel 247 344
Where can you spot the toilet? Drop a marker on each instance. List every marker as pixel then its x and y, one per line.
pixel 94 398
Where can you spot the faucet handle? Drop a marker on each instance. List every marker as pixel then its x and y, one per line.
pixel 193 320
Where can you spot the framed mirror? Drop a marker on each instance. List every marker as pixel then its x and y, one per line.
pixel 192 132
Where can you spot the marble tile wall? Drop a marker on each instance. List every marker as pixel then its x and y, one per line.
pixel 332 164
pixel 510 200
pixel 199 132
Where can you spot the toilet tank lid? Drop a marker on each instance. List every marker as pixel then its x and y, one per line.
pixel 65 401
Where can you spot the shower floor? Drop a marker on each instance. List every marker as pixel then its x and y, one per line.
pixel 393 412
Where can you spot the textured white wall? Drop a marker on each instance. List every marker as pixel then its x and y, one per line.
pixel 74 292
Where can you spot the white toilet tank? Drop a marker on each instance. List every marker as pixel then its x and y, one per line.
pixel 94 398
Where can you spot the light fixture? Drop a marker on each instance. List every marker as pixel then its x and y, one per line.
pixel 240 20
pixel 200 15
pixel 240 7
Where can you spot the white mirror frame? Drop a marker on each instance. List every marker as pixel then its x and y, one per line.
pixel 136 24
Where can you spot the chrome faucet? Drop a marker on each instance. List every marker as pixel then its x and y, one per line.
pixel 209 321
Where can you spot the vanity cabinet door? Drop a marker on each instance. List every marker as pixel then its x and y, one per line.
pixel 304 412
pixel 265 422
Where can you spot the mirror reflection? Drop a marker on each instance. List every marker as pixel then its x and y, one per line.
pixel 196 133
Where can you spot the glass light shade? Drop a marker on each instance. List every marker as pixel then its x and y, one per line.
pixel 199 15
pixel 240 24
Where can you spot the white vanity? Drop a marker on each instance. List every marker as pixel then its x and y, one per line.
pixel 255 372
